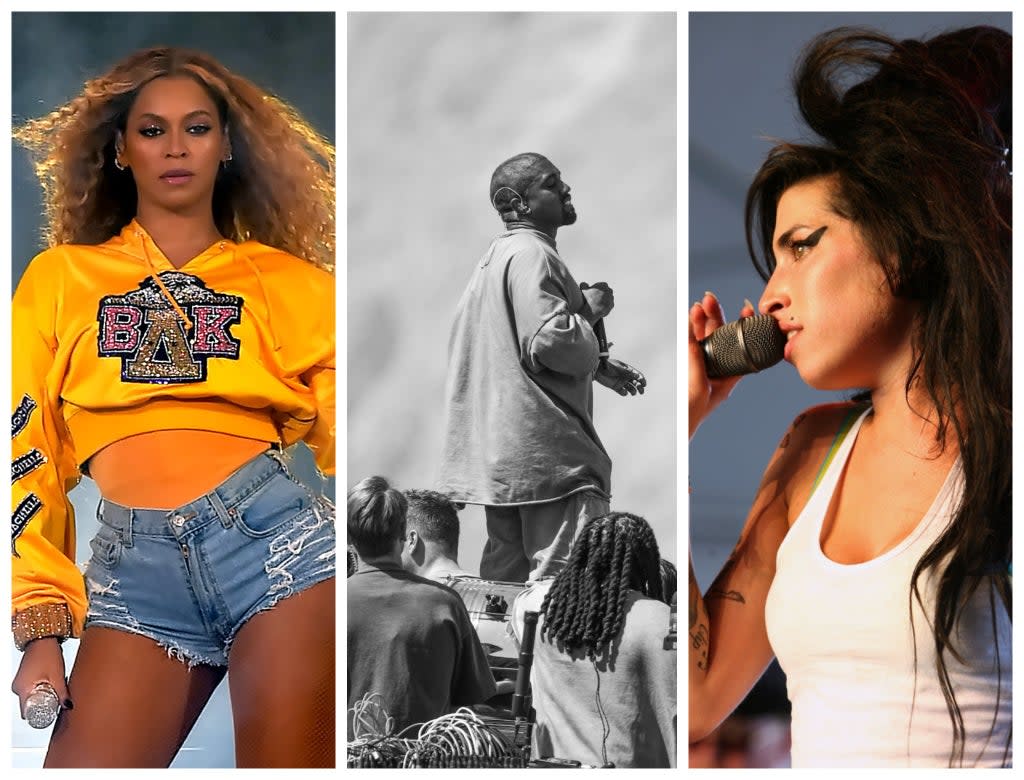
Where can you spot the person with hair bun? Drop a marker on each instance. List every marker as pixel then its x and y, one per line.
pixel 173 341
pixel 876 560
pixel 410 639
pixel 603 677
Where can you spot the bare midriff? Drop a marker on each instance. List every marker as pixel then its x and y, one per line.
pixel 166 469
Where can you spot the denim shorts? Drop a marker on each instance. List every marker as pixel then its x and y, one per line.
pixel 189 578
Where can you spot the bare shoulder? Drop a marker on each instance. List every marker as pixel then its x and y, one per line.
pixel 784 489
pixel 804 447
pixel 817 422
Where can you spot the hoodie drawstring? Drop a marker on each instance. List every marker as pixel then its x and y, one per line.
pixel 235 254
pixel 163 288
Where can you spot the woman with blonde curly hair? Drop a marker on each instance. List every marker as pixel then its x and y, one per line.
pixel 174 339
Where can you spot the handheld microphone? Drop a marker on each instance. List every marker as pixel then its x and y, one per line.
pixel 42 706
pixel 602 339
pixel 745 346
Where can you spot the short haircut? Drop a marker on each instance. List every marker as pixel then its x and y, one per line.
pixel 376 517
pixel 511 179
pixel 434 517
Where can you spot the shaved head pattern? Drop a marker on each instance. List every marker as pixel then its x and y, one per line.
pixel 512 177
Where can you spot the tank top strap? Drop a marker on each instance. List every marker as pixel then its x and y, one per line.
pixel 851 417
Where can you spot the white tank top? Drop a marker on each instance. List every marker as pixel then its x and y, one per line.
pixel 842 634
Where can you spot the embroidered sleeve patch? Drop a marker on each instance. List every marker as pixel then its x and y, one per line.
pixel 24 464
pixel 27 509
pixel 20 417
pixel 147 334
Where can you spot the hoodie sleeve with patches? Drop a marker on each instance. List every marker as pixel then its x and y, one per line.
pixel 48 593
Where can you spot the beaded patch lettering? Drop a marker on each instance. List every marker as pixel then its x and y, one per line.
pixel 26 463
pixel 23 514
pixel 148 334
pixel 20 417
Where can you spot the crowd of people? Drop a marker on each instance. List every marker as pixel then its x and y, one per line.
pixel 182 317
pixel 410 639
pixel 604 670
pixel 527 347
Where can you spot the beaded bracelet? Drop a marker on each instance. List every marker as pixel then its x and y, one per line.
pixel 41 620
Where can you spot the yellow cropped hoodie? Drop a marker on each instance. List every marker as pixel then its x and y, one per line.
pixel 111 340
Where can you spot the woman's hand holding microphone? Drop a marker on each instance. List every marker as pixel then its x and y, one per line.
pixel 705 394
pixel 39 683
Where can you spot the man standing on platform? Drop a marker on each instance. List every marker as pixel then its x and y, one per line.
pixel 525 349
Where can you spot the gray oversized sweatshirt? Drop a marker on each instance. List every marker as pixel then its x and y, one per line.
pixel 519 391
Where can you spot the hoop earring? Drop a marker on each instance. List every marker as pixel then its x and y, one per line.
pixel 117 163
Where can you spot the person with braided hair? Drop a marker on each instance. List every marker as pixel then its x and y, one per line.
pixel 875 562
pixel 603 678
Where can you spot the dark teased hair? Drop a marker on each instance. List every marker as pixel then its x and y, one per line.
pixel 376 517
pixel 585 607
pixel 918 149
pixel 434 517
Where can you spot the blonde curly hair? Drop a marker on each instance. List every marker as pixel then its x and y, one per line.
pixel 279 188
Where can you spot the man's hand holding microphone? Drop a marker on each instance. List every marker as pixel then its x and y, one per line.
pixel 614 374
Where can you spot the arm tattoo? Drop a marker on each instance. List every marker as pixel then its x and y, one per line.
pixel 694 597
pixel 732 595
pixel 699 639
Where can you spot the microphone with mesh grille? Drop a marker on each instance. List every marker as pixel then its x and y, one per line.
pixel 745 346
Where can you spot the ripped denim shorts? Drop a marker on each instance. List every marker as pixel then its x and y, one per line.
pixel 189 578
